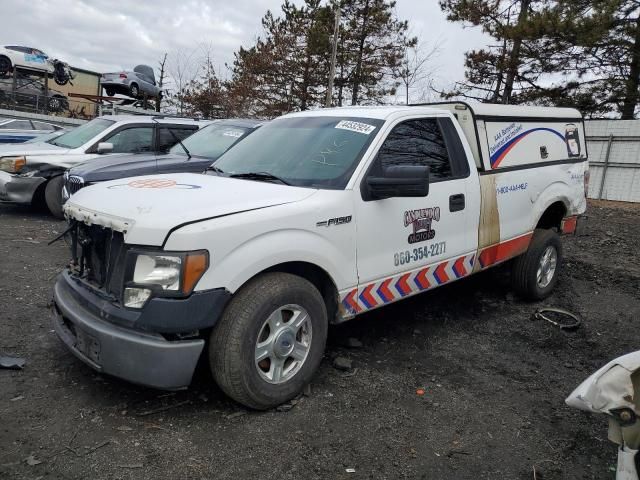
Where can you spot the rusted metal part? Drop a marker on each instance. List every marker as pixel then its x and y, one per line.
pixel 571 325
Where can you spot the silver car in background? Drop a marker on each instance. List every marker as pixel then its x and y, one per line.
pixel 22 130
pixel 131 83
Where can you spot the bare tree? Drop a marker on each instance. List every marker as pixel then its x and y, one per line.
pixel 162 64
pixel 415 69
pixel 183 68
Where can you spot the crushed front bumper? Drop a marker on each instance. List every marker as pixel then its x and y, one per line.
pixel 144 358
pixel 18 188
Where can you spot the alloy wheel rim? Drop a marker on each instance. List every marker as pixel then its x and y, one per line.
pixel 283 344
pixel 547 267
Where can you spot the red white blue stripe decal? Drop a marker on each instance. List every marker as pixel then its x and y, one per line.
pixel 502 152
pixel 389 290
pixel 405 284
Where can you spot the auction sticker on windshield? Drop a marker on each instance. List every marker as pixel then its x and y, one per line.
pixel 233 133
pixel 357 127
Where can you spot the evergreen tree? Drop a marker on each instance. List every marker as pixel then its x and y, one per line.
pixel 521 54
pixel 371 46
pixel 605 59
pixel 287 69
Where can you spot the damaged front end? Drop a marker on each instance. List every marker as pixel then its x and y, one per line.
pixel 97 258
pixel 19 188
pixel 155 342
pixel 615 391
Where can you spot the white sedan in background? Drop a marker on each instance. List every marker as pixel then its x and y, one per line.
pixel 29 58
pixel 24 57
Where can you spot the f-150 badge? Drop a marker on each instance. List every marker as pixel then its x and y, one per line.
pixel 421 221
pixel 334 221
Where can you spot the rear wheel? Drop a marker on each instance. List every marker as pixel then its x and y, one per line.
pixel 110 92
pixel 5 66
pixel 535 273
pixel 53 196
pixel 269 341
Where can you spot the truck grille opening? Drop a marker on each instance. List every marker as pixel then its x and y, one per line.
pixel 100 257
pixel 74 184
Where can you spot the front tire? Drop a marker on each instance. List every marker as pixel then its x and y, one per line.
pixel 134 90
pixel 53 196
pixel 57 104
pixel 535 272
pixel 269 341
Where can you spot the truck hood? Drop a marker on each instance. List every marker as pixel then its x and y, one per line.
pixel 31 149
pixel 146 209
pixel 109 167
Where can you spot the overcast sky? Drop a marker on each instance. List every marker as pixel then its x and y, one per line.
pixel 108 35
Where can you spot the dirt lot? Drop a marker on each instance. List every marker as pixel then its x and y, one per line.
pixel 494 381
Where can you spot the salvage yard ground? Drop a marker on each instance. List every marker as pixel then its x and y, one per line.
pixel 494 383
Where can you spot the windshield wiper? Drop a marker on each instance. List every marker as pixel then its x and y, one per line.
pixel 214 169
pixel 175 137
pixel 260 176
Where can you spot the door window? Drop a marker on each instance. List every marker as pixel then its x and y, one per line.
pixel 43 126
pixel 132 140
pixel 417 143
pixel 18 125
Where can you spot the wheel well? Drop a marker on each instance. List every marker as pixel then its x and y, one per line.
pixel 552 216
pixel 38 199
pixel 318 277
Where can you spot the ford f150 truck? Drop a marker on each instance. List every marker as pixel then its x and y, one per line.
pixel 317 217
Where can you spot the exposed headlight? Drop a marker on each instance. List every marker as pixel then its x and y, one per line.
pixel 170 274
pixel 12 164
pixel 161 270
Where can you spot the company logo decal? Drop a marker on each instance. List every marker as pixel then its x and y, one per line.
pixel 510 136
pixel 421 221
pixel 156 183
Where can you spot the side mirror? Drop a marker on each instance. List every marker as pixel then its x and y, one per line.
pixel 399 181
pixel 104 147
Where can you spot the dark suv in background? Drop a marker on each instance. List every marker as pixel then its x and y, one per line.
pixel 193 155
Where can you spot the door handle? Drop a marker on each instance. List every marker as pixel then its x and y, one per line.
pixel 456 202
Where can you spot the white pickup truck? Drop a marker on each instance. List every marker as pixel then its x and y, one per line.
pixel 315 218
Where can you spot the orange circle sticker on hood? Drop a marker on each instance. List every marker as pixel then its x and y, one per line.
pixel 152 183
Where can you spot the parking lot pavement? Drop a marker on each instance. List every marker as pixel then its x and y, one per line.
pixel 455 383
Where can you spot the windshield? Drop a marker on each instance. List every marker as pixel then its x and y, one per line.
pixel 211 141
pixel 81 135
pixel 319 152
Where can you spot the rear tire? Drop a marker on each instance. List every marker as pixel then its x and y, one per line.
pixel 5 66
pixel 257 355
pixel 535 273
pixel 53 196
pixel 110 92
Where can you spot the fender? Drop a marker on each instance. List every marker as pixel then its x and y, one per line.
pixel 267 250
pixel 541 201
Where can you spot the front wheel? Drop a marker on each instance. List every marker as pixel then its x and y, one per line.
pixel 134 91
pixel 535 272
pixel 53 196
pixel 269 341
pixel 57 104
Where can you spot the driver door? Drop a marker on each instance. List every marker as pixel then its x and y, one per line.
pixel 410 244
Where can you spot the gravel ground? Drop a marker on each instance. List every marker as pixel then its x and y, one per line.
pixel 494 383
